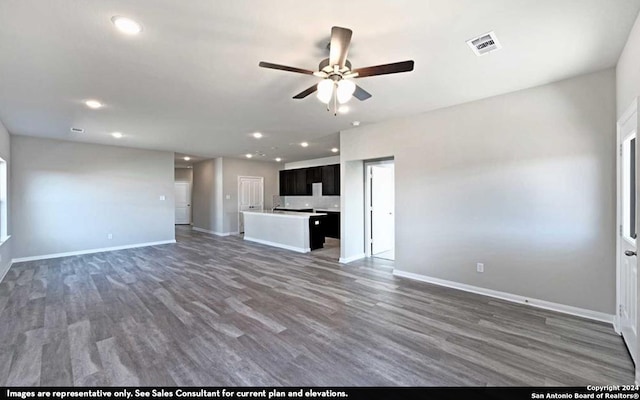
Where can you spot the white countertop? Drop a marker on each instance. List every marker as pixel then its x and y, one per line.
pixel 290 214
pixel 327 209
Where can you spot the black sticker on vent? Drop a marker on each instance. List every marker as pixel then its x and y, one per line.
pixel 485 44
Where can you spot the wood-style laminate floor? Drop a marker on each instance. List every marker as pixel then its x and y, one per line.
pixel 219 311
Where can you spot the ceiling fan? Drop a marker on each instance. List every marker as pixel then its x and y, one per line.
pixel 336 72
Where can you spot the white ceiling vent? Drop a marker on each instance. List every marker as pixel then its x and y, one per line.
pixel 484 44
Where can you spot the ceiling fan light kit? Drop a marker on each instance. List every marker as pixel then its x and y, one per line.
pixel 345 90
pixel 325 90
pixel 337 74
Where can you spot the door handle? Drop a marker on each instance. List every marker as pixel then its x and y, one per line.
pixel 629 253
pixel 188 205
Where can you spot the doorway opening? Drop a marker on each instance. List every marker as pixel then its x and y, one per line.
pixel 626 257
pixel 380 209
pixel 250 197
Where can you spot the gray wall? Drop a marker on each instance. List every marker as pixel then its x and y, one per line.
pixel 69 196
pixel 207 196
pixel 628 71
pixel 352 208
pixel 523 182
pixel 232 169
pixel 6 247
pixel 215 191
pixel 184 175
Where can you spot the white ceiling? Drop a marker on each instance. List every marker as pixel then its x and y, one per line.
pixel 190 81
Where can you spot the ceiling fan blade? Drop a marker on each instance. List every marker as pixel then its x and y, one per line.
pixel 284 68
pixel 361 94
pixel 339 47
pixel 393 68
pixel 306 92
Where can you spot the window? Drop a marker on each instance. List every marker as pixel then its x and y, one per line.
pixel 629 230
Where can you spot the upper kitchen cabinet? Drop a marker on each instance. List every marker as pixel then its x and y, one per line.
pixel 293 182
pixel 286 183
pixel 331 180
pixel 314 174
pixel 301 188
pixel 299 182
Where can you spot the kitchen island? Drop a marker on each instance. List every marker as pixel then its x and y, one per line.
pixel 297 231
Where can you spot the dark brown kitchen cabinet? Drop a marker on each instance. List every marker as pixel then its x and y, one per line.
pixel 299 182
pixel 284 183
pixel 301 188
pixel 293 182
pixel 332 224
pixel 314 174
pixel 331 180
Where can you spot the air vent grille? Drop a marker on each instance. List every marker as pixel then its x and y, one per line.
pixel 484 44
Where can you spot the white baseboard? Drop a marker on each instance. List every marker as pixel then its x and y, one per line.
pixel 280 245
pixel 346 260
pixel 6 271
pixel 90 251
pixel 547 305
pixel 195 228
pixel 616 325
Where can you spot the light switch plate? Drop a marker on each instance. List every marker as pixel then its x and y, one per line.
pixel 163 197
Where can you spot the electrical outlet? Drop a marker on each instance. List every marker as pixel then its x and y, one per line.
pixel 228 197
pixel 109 236
pixel 480 267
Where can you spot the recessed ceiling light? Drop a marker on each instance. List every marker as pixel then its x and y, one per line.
pixel 334 150
pixel 343 109
pixel 249 155
pixel 304 144
pixel 93 104
pixel 257 135
pixel 126 25
pixel 355 123
pixel 187 158
pixel 117 135
pixel 278 159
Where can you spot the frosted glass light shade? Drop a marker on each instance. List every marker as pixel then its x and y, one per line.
pixel 346 88
pixel 126 25
pixel 325 90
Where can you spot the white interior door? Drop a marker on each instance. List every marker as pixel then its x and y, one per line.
pixel 250 196
pixel 382 210
pixel 627 271
pixel 183 203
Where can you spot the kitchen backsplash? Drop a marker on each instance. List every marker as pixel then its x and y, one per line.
pixel 317 200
